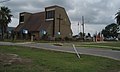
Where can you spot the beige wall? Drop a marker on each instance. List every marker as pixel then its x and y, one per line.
pixel 26 17
pixel 65 25
pixel 49 29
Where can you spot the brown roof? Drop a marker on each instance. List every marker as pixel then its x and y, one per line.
pixel 18 28
pixel 34 23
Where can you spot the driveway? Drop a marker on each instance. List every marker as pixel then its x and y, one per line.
pixel 113 54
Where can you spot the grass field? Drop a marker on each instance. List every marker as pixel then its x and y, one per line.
pixel 107 45
pixel 38 60
pixel 114 45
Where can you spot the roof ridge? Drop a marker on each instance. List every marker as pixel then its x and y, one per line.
pixel 38 12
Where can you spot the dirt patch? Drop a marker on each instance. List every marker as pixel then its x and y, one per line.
pixel 9 59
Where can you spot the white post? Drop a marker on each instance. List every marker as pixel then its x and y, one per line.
pixel 32 38
pixel 76 51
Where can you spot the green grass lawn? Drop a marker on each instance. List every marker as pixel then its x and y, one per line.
pixel 107 45
pixel 15 41
pixel 115 45
pixel 112 44
pixel 51 61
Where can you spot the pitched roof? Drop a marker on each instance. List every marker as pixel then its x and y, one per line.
pixel 18 28
pixel 34 23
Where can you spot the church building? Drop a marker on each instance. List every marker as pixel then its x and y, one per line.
pixel 53 22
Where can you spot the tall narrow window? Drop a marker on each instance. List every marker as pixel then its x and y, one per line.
pixel 50 14
pixel 22 18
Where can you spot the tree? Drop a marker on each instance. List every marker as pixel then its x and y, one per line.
pixel 111 30
pixel 89 35
pixel 117 17
pixel 81 34
pixel 5 19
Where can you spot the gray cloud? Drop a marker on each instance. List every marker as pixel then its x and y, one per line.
pixel 18 6
pixel 94 11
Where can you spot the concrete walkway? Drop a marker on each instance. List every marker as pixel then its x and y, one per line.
pixel 113 54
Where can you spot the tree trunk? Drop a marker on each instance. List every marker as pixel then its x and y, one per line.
pixel 2 31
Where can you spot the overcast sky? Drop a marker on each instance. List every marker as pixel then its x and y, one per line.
pixel 97 13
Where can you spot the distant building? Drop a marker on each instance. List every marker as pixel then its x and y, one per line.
pixel 54 22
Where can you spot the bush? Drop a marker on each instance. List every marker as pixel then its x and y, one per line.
pixel 68 39
pixel 58 39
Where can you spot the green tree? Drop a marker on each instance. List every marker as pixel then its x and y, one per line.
pixel 89 35
pixel 5 19
pixel 117 17
pixel 81 34
pixel 111 30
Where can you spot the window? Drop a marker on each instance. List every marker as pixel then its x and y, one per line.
pixel 25 31
pixel 21 18
pixel 50 14
pixel 43 32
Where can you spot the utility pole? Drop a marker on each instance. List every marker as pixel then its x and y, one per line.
pixel 83 26
pixel 59 18
pixel 96 37
pixel 78 28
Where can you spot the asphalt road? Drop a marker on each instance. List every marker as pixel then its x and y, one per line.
pixel 113 54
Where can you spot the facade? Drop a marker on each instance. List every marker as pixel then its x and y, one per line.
pixel 53 22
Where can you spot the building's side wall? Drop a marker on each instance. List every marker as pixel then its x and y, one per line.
pixel 50 22
pixel 26 17
pixel 50 28
pixel 65 25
